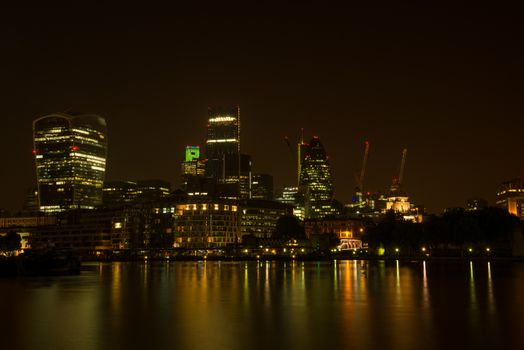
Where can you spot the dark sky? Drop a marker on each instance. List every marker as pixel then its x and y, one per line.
pixel 443 81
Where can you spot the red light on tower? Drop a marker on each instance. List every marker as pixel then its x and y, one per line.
pixel 35 152
pixel 75 148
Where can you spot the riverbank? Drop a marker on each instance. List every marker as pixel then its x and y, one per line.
pixel 311 258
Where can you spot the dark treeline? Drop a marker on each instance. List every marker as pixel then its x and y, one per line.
pixel 10 243
pixel 456 229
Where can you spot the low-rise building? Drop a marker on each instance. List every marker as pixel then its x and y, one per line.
pixel 259 217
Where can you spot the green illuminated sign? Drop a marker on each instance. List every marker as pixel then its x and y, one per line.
pixel 192 153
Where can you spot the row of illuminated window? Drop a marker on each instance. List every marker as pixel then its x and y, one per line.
pixel 88 156
pixel 221 140
pixel 52 138
pixel 225 207
pixel 221 119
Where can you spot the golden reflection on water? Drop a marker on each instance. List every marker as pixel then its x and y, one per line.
pixel 491 298
pixel 276 305
pixel 472 291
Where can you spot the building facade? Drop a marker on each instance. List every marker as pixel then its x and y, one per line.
pixel 202 224
pixel 510 196
pixel 316 184
pixel 70 154
pixel 119 193
pixel 349 231
pixel 262 187
pixel 230 169
pixel 260 217
pixel 193 172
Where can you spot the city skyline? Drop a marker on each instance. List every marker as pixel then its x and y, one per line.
pixel 449 92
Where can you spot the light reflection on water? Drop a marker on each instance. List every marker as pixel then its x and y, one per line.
pixel 269 305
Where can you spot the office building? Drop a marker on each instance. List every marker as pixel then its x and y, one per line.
pixel 119 193
pixel 259 217
pixel 193 172
pixel 262 186
pixel 70 153
pixel 152 190
pixel 230 169
pixel 315 182
pixel 206 223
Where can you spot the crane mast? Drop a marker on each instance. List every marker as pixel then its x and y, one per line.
pixel 360 183
pixel 300 155
pixel 402 164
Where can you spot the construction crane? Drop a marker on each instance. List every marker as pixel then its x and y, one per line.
pixel 363 169
pixel 300 145
pixel 286 139
pixel 402 164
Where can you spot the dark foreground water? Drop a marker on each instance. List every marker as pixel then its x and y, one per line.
pixel 273 305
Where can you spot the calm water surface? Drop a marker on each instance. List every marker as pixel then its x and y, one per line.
pixel 273 305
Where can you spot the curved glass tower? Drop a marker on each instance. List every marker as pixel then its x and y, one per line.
pixel 316 184
pixel 70 154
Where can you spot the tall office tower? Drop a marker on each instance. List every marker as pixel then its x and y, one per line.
pixel 225 163
pixel 70 154
pixel 262 186
pixel 510 196
pixel 315 182
pixel 193 172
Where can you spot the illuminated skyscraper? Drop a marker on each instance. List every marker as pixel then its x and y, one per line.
pixel 70 155
pixel 315 181
pixel 225 163
pixel 223 132
pixel 193 171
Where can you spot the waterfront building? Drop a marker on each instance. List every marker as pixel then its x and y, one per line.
pixel 85 231
pixel 510 196
pixel 70 153
pixel 259 217
pixel 262 186
pixel 206 223
pixel 347 229
pixel 146 225
pixel 316 184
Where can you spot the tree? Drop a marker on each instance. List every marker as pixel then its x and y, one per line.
pixel 289 227
pixel 10 243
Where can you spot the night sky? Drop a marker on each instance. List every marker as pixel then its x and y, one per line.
pixel 443 82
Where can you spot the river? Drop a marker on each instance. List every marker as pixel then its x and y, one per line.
pixel 269 305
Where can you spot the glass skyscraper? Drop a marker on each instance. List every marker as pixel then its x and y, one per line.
pixel 70 154
pixel 316 184
pixel 225 164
